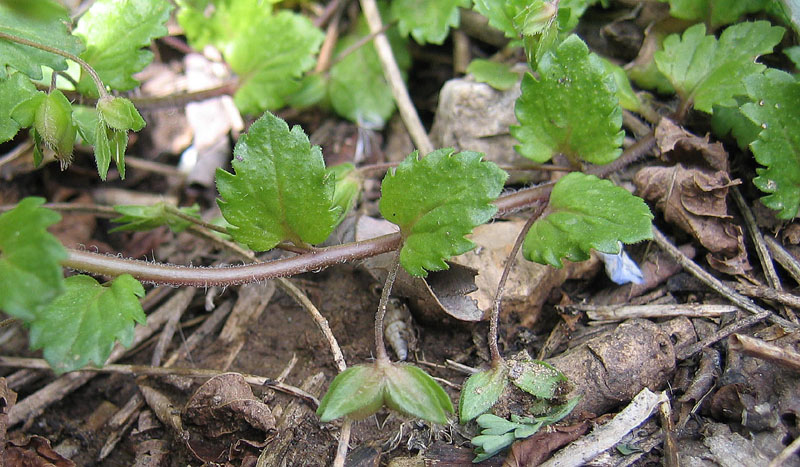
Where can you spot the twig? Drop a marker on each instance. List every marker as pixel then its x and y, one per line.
pixel 380 348
pixel 395 79
pixel 768 293
pixel 361 42
pixel 772 353
pixel 761 249
pixel 38 363
pixel 717 285
pixel 784 258
pixel 611 313
pixel 331 35
pixel 344 441
pixel 494 350
pixel 783 457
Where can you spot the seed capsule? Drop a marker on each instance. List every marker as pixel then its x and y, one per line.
pixel 53 123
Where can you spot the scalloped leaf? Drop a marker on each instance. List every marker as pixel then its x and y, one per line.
pixel 436 201
pixel 427 20
pixel 82 324
pixel 537 378
pixel 144 218
pixel 30 259
pixel 496 75
pixel 116 33
pixel 14 90
pixel 357 88
pixel 586 212
pixel 715 12
pixel 43 21
pixel 775 110
pixel 481 391
pixel 270 57
pixel 211 22
pixel 281 190
pixel 571 109
pixel 707 71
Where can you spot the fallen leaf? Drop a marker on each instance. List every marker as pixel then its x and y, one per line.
pixel 678 146
pixel 34 451
pixel 537 448
pixel 695 200
pixel 7 400
pixel 222 412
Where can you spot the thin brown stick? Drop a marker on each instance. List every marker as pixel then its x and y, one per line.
pixel 395 79
pixel 783 257
pixel 753 347
pixel 38 363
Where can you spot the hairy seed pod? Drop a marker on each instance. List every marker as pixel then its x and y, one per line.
pixel 397 328
pixel 53 123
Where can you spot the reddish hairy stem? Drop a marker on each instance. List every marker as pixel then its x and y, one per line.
pixel 175 275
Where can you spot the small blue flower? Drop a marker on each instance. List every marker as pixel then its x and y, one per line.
pixel 621 268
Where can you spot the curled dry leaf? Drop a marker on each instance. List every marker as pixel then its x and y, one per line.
pixel 537 448
pixel 679 146
pixel 694 199
pixel 34 451
pixel 223 412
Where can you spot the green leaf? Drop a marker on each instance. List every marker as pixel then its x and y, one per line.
pixel 491 424
pixel 411 391
pixel 347 188
pixel 362 390
pixel 731 120
pixel 775 110
pixel 436 201
pixel 357 392
pixel 496 75
pixel 85 119
pixel 82 324
pixel 793 53
pixel 211 22
pixel 628 99
pixel 586 212
pixel 119 113
pixel 270 57
pixel 537 378
pixel 481 391
pixel 715 12
pixel 115 32
pixel 43 21
pixel 427 20
pixel 571 109
pixel 281 190
pixel 14 90
pixel 357 88
pixel 30 269
pixel 143 218
pixel 707 71
pixel 24 113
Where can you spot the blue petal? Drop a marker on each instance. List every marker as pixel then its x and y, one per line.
pixel 621 268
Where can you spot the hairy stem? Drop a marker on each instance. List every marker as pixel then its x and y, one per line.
pixel 494 350
pixel 380 347
pixel 101 88
pixel 313 260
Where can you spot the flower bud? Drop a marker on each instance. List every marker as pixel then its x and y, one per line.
pixel 348 187
pixel 536 19
pixel 119 113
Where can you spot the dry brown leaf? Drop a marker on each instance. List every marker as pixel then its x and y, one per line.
pixel 695 200
pixel 34 451
pixel 537 448
pixel 222 413
pixel 679 146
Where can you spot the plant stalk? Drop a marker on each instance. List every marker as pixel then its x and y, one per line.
pixel 380 348
pixel 101 88
pixel 494 350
